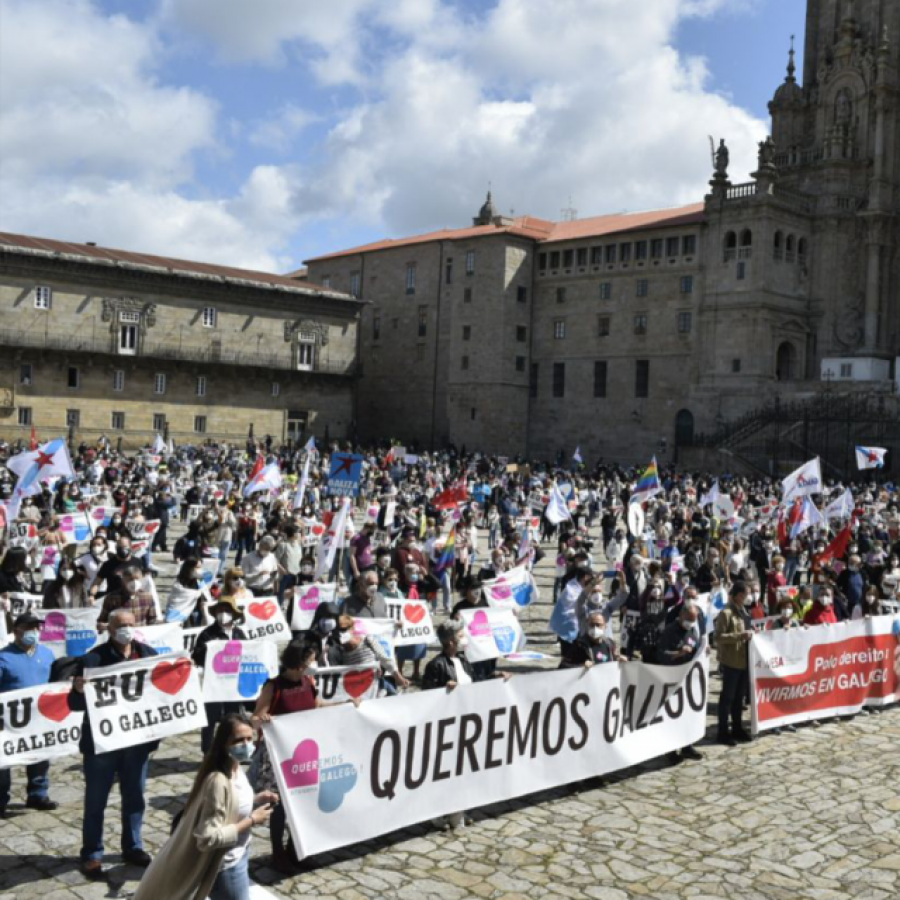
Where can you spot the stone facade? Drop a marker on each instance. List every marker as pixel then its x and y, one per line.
pixel 625 335
pixel 96 343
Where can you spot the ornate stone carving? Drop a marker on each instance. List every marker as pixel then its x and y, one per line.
pixel 7 398
pixel 309 327
pixel 112 306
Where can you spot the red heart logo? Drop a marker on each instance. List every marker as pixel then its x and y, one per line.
pixel 263 610
pixel 54 705
pixel 151 527
pixel 318 530
pixel 171 677
pixel 414 613
pixel 357 683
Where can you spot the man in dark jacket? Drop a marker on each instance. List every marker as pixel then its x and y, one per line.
pixel 680 643
pixel 100 769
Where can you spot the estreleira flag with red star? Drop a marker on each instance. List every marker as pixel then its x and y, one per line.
pixel 870 457
pixel 34 467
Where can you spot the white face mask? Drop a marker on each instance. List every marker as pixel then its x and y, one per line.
pixel 595 632
pixel 124 635
pixel 238 582
pixel 306 569
pixel 371 590
pixel 224 618
pixel 787 614
pixel 133 586
pixel 345 637
pixel 825 601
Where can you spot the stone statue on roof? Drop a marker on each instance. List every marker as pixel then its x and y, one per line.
pixel 723 157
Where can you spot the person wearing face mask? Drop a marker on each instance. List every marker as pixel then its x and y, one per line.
pixel 870 606
pixel 91 561
pixel 366 602
pixel 227 616
pixel 235 585
pixel 733 634
pixel 261 568
pixel 307 574
pixel 25 663
pixel 593 646
pixel 68 590
pixel 131 597
pixel 109 575
pixel 407 552
pixel 208 852
pixel 787 615
pixel 185 602
pixel 852 582
pixel 652 621
pixel 347 648
pixel 130 764
pixel 775 580
pixel 288 555
pixel 822 611
pixel 321 632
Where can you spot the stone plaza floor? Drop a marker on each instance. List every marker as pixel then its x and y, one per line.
pixel 814 814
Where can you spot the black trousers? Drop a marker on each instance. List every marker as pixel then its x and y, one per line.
pixel 731 700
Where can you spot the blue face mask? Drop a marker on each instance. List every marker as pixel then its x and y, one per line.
pixel 241 753
pixel 30 638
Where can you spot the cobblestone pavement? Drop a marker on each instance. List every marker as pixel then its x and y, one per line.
pixel 815 814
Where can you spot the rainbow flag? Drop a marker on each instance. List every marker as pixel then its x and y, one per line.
pixel 448 554
pixel 648 484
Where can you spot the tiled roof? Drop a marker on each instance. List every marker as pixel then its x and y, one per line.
pixel 147 262
pixel 541 230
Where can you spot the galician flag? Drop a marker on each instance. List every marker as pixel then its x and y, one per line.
pixel 33 467
pixel 310 446
pixel 842 508
pixel 304 481
pixel 648 484
pixel 804 481
pixel 870 457
pixel 333 539
pixel 711 496
pixel 808 517
pixel 159 445
pixel 576 456
pixel 557 510
pixel 267 479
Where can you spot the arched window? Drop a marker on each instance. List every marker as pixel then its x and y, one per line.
pixel 684 428
pixel 802 249
pixel 746 238
pixel 730 246
pixel 778 246
pixel 786 362
pixel 789 248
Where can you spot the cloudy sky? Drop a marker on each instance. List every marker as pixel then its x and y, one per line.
pixel 261 132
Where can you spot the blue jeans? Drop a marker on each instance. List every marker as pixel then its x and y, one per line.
pixel 38 781
pixel 223 557
pixel 233 883
pixel 100 771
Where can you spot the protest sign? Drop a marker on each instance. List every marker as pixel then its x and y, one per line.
pixel 69 632
pixel 307 598
pixel 414 617
pixel 189 638
pixel 236 670
pixel 23 534
pixel 345 474
pixel 37 724
pixel 21 601
pixel 264 619
pixel 143 700
pixel 340 684
pixel 492 633
pixel 383 630
pixel 165 638
pixel 824 671
pixel 511 590
pixel 346 775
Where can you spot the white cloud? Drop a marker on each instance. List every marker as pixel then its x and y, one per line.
pixel 279 129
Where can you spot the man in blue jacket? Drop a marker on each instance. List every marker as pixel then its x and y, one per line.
pixel 130 764
pixel 25 663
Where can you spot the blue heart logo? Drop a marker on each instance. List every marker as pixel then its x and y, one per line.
pixel 207 579
pixel 82 533
pixel 79 642
pixel 522 594
pixel 334 784
pixel 251 677
pixel 505 638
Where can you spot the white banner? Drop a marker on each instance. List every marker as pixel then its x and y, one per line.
pixel 801 674
pixel 236 670
pixel 20 602
pixel 346 775
pixel 165 638
pixel 145 700
pixel 414 617
pixel 340 684
pixel 307 598
pixel 264 619
pixel 189 637
pixel 511 590
pixel 37 723
pixel 69 632
pixel 492 633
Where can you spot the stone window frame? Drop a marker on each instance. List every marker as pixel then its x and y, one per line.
pixel 24 416
pixel 117 420
pixel 159 381
pixel 200 386
pixel 559 329
pixel 209 317
pixel 43 297
pixel 26 375
pixel 118 380
pixel 200 423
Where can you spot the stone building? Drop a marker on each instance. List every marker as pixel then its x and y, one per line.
pixel 630 334
pixel 104 342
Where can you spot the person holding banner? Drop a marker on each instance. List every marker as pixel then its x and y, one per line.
pixel 209 850
pixel 592 647
pixel 733 633
pixel 130 764
pixel 226 612
pixel 25 663
pixel 185 602
pixel 93 559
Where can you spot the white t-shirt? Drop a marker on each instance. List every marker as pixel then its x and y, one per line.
pixel 245 807
pixel 462 676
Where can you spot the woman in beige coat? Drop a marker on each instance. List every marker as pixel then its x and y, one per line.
pixel 208 853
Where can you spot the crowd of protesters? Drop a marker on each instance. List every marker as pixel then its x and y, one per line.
pixel 647 584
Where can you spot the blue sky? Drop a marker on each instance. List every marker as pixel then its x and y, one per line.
pixel 261 133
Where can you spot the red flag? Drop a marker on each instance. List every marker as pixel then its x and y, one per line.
pixel 459 493
pixel 838 547
pixel 258 466
pixel 34 442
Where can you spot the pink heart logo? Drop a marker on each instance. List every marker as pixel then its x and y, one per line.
pixel 66 523
pixel 54 628
pixel 302 769
pixel 502 591
pixel 228 660
pixel 359 627
pixel 480 625
pixel 310 600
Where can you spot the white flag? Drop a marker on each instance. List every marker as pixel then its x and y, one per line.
pixel 332 539
pixel 712 495
pixel 268 479
pixel 842 508
pixel 304 481
pixel 159 445
pixel 804 481
pixel 557 509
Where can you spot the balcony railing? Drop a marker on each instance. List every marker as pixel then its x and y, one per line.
pixel 212 354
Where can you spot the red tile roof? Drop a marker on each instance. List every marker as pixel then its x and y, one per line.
pixel 541 230
pixel 127 258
